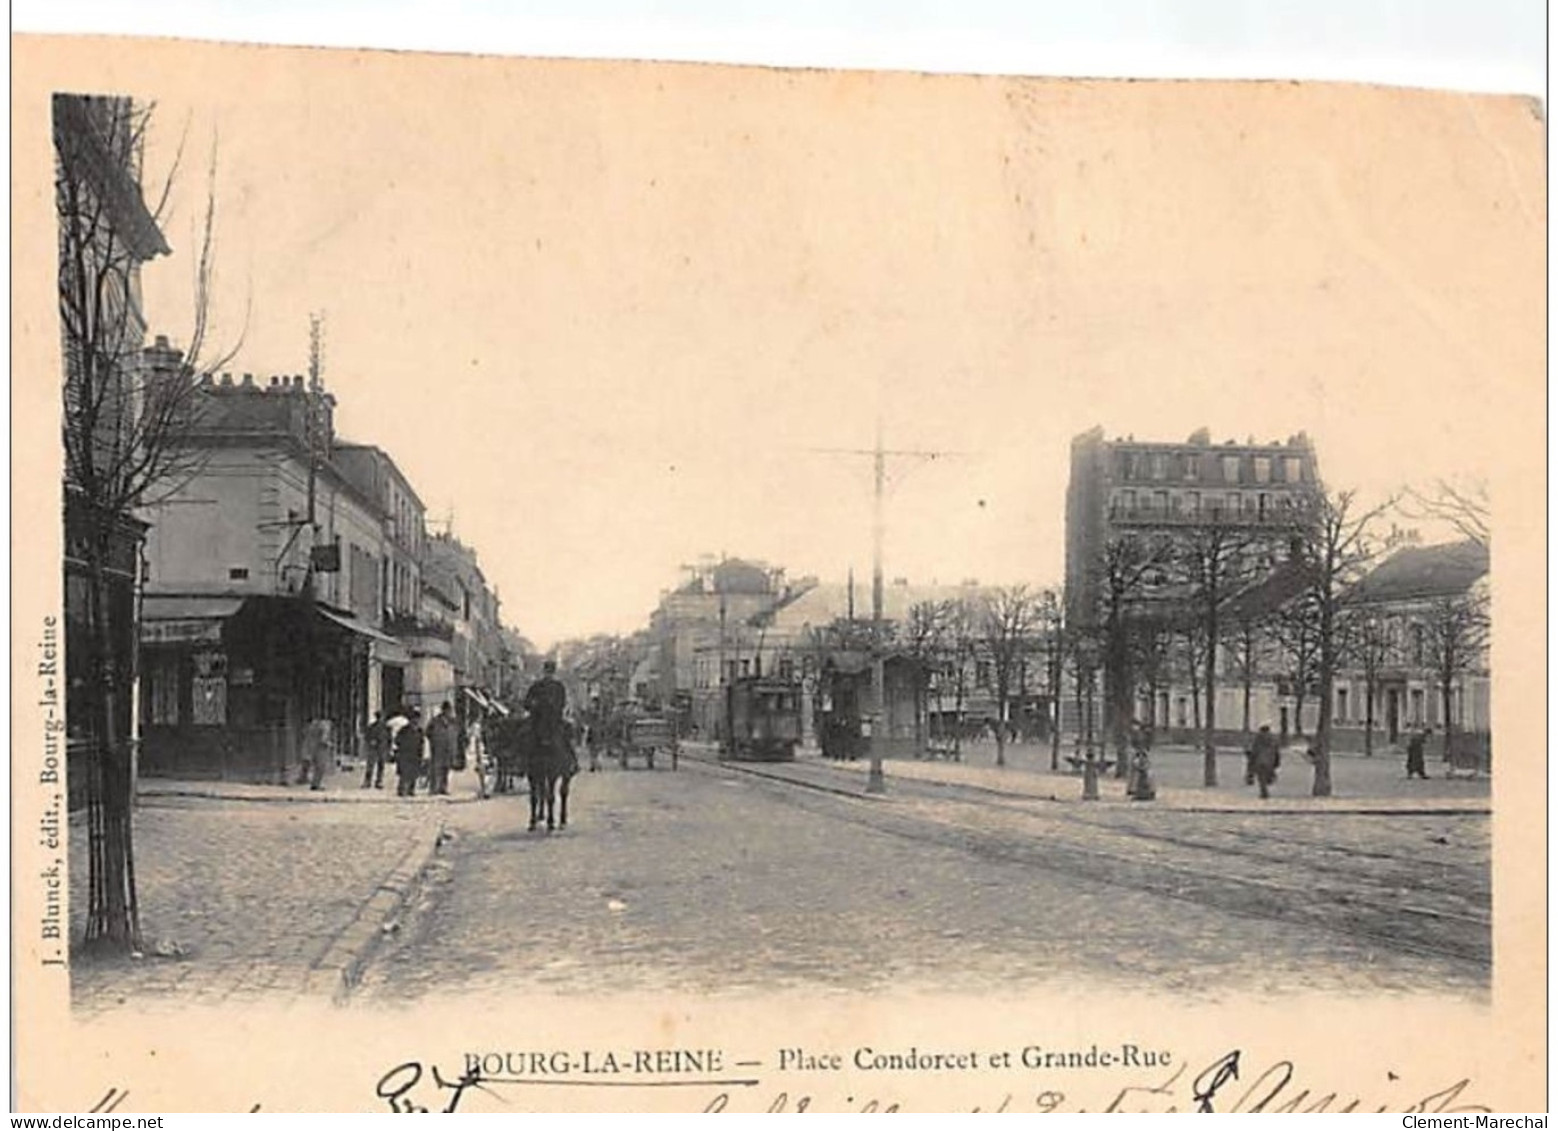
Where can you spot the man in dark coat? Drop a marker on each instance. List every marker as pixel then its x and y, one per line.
pixel 1415 745
pixel 443 739
pixel 545 702
pixel 408 754
pixel 376 742
pixel 1265 757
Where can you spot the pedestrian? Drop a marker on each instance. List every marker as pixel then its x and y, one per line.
pixel 1139 786
pixel 546 702
pixel 1264 758
pixel 443 740
pixel 1415 746
pixel 376 742
pixel 408 754
pixel 316 749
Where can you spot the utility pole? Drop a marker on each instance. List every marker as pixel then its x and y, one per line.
pixel 879 457
pixel 313 691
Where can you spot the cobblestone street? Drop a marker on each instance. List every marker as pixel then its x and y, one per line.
pixel 717 880
pixel 253 895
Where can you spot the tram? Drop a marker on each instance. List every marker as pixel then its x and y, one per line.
pixel 763 719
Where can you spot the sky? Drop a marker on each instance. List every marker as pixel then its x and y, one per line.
pixel 610 320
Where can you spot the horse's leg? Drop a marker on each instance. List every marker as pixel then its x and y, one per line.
pixel 562 788
pixel 551 801
pixel 535 801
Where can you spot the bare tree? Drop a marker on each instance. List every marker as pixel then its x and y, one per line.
pixel 1049 622
pixel 123 429
pixel 1213 561
pixel 1295 628
pixel 922 641
pixel 1464 506
pixel 961 646
pixel 1126 564
pixel 1007 635
pixel 1151 646
pixel 1245 647
pixel 1455 635
pixel 1338 548
pixel 1191 646
pixel 1366 643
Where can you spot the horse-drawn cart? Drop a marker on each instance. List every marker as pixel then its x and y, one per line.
pixel 646 736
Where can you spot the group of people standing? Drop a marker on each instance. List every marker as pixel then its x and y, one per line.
pixel 401 738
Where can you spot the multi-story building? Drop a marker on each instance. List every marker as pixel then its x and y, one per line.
pixel 263 601
pixel 1172 495
pixel 1170 489
pixel 458 656
pixel 399 588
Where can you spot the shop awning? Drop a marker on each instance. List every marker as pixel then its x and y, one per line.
pixel 352 624
pixel 168 618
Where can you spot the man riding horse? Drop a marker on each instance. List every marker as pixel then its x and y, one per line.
pixel 551 761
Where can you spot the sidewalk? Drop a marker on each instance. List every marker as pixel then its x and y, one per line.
pixel 1361 786
pixel 244 900
pixel 342 786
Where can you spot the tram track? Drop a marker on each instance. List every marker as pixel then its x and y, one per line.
pixel 1234 872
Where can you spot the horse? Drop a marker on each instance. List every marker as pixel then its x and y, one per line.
pixel 550 764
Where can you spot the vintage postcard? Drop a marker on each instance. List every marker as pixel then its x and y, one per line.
pixel 604 586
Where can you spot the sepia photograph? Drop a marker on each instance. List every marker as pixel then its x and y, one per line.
pixel 929 587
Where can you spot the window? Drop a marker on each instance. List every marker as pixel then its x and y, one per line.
pixel 1160 465
pixel 1127 500
pixel 982 674
pixel 238 573
pixel 1417 705
pixel 1184 711
pixel 786 669
pixel 1192 502
pixel 1292 469
pixel 1341 704
pixel 1230 469
pixel 1263 469
pixel 1160 502
pixel 1233 503
pixel 1192 466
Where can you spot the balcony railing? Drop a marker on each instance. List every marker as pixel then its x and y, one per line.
pixel 405 626
pixel 1276 517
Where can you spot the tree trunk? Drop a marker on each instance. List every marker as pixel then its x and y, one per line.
pixel 1210 751
pixel 1446 689
pixel 113 917
pixel 1055 681
pixel 1000 724
pixel 1369 691
pixel 1322 743
pixel 1249 679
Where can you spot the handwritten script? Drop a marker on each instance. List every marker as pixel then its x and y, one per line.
pixel 1224 1084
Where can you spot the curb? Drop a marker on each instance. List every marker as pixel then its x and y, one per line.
pixel 1365 807
pixel 304 797
pixel 338 972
